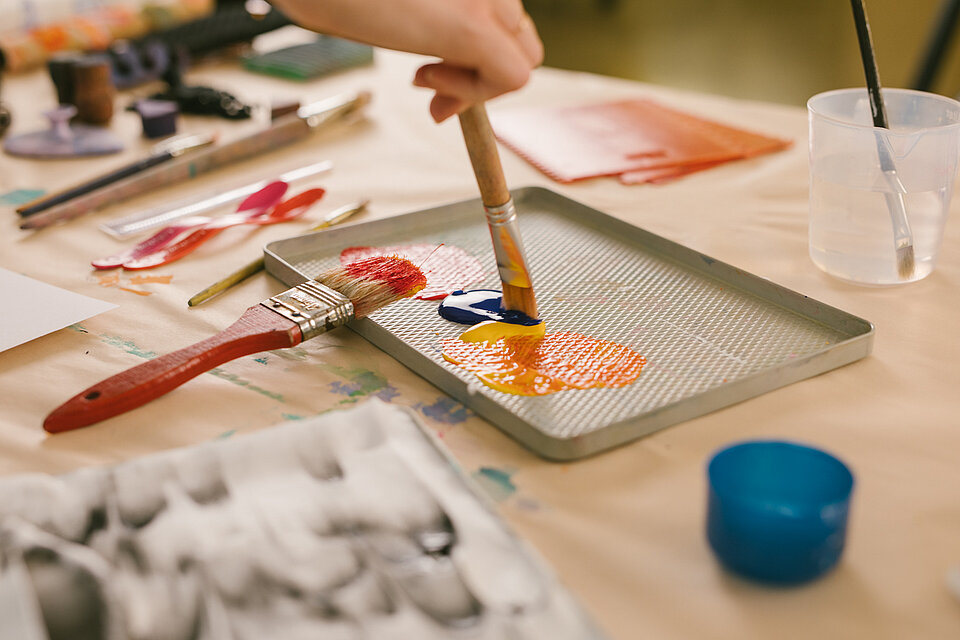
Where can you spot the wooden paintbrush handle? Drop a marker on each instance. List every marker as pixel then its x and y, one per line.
pixel 258 329
pixel 507 246
pixel 482 147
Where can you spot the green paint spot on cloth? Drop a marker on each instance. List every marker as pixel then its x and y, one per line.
pixel 20 196
pixel 361 383
pixel 128 346
pixel 496 482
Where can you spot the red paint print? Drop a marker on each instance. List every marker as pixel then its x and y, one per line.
pixel 447 267
pixel 399 276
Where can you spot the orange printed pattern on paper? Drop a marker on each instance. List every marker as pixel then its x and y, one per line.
pixel 639 140
pixel 527 361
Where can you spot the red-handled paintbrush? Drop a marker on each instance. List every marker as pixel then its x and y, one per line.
pixel 330 300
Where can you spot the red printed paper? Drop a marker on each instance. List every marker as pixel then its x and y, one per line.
pixel 639 140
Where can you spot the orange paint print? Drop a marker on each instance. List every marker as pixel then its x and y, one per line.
pixel 525 360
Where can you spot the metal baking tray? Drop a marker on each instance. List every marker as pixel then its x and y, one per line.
pixel 713 335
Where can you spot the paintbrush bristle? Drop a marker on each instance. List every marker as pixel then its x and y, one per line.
pixel 374 283
pixel 905 262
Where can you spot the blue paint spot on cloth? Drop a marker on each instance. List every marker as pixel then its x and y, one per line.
pixel 445 410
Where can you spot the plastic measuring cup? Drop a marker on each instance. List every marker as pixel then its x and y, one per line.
pixel 851 230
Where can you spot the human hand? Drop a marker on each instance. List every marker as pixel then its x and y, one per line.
pixel 486 47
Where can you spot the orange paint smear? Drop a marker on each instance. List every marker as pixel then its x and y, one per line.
pixel 150 279
pixel 113 280
pixel 136 291
pixel 539 365
pixel 108 280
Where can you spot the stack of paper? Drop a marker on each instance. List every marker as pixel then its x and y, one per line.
pixel 637 140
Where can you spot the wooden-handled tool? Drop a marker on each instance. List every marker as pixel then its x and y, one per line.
pixel 501 215
pixel 330 300
pixel 896 203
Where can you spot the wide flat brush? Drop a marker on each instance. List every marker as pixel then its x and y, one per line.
pixel 328 301
pixel 902 234
pixel 501 214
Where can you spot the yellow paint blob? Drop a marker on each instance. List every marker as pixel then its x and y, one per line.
pixel 493 330
pixel 525 360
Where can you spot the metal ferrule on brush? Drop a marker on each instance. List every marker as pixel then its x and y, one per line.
pixel 315 308
pixel 507 245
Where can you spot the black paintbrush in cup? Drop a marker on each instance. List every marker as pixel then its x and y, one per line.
pixel 902 235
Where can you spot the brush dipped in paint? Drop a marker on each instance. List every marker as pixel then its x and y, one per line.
pixel 902 234
pixel 515 280
pixel 330 300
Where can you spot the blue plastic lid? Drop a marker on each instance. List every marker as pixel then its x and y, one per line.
pixel 764 472
pixel 777 510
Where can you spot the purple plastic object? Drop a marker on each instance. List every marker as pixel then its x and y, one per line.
pixel 63 140
pixel 159 117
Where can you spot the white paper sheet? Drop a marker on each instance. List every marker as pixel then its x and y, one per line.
pixel 42 309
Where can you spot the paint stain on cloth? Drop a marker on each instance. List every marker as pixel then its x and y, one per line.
pixel 498 483
pixel 445 411
pixel 18 197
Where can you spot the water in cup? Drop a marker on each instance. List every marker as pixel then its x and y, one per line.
pixel 851 232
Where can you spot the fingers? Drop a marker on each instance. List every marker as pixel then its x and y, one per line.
pixel 456 88
pixel 490 53
pixel 447 79
pixel 442 107
pixel 518 25
pixel 509 51
pixel 529 40
pixel 501 62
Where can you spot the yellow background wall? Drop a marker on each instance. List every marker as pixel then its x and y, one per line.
pixel 776 50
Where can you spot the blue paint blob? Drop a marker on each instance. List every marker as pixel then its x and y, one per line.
pixel 480 305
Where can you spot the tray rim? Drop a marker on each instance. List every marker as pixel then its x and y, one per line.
pixel 855 346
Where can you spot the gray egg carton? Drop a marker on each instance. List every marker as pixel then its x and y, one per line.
pixel 352 525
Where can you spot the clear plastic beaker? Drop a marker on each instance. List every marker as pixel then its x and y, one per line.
pixel 864 206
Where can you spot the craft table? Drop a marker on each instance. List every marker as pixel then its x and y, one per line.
pixel 624 530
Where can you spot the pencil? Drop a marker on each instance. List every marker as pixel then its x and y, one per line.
pixel 334 217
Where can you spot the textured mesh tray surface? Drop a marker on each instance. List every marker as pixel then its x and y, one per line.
pixel 700 332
